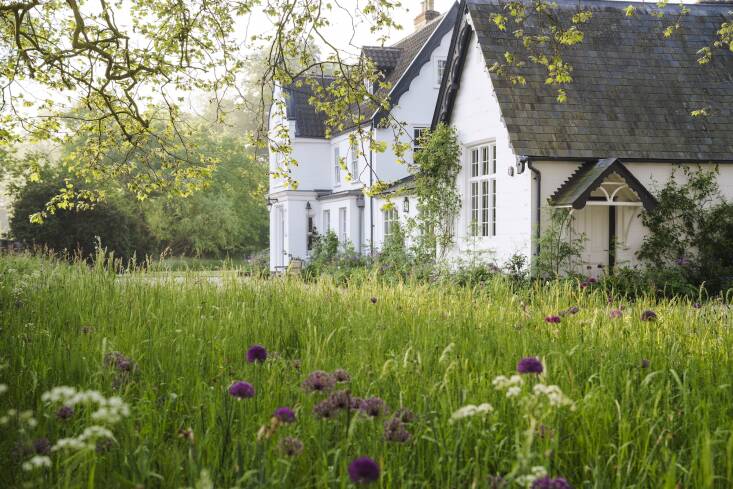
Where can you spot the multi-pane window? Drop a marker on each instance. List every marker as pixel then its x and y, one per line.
pixel 336 166
pixel 391 220
pixel 417 135
pixel 342 224
pixel 326 221
pixel 355 162
pixel 482 190
pixel 440 70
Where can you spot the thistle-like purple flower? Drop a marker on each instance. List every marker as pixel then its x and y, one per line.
pixel 615 313
pixel 697 305
pixel 548 483
pixel 319 381
pixel 374 407
pixel 405 415
pixel 573 309
pixel 284 415
pixel 119 361
pixel 530 365
pixel 648 315
pixel 256 353
pixel 340 400
pixel 552 319
pixel 644 363
pixel 64 413
pixel 290 446
pixel 363 470
pixel 241 390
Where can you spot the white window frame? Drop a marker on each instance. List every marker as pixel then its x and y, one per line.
pixel 438 71
pixel 326 221
pixel 417 133
pixel 481 190
pixel 336 167
pixel 355 162
pixel 390 217
pixel 342 225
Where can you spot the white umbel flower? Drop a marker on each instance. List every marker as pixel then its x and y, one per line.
pixel 36 462
pixel 470 410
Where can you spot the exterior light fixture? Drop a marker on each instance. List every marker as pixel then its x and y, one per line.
pixel 270 203
pixel 406 206
pixel 308 205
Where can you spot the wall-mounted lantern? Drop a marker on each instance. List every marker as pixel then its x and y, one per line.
pixel 308 205
pixel 270 202
pixel 406 206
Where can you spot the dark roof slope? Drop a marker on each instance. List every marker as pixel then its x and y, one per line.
pixel 632 90
pixel 384 57
pixel 309 123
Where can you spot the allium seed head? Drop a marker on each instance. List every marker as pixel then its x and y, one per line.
pixel 42 446
pixel 547 483
pixel 552 319
pixel 341 375
pixel 648 315
pixel 394 430
pixel 374 407
pixel 319 381
pixel 290 446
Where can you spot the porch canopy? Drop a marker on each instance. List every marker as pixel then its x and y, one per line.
pixel 605 182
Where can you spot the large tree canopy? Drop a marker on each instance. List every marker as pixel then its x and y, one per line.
pixel 119 71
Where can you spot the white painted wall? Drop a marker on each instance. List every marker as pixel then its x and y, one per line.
pixel 477 118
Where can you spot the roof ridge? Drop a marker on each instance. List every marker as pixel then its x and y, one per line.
pixel 414 33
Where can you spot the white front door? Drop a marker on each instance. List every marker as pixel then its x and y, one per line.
pixel 592 221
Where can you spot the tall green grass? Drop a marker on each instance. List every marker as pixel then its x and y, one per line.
pixel 668 425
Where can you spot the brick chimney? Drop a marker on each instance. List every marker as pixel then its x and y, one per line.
pixel 427 14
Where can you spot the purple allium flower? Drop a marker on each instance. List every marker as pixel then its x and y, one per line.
pixel 374 300
pixel 325 409
pixel 363 470
pixel 530 365
pixel 615 313
pixel 548 483
pixel 42 446
pixel 241 390
pixel 394 430
pixel 648 315
pixel 697 305
pixel 284 414
pixel 319 381
pixel 256 353
pixel 290 446
pixel 64 413
pixel 374 406
pixel 644 363
pixel 573 310
pixel 341 375
pixel 552 319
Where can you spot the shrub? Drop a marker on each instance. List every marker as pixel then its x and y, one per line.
pixel 122 230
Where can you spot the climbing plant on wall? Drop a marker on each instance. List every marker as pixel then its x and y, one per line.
pixel 436 166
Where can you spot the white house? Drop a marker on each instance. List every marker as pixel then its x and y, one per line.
pixel 625 127
pixel 326 199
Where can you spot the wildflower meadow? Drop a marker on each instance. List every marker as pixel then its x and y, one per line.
pixel 135 381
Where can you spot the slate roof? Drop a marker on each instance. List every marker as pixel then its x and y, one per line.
pixel 632 90
pixel 384 57
pixel 308 122
pixel 576 190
